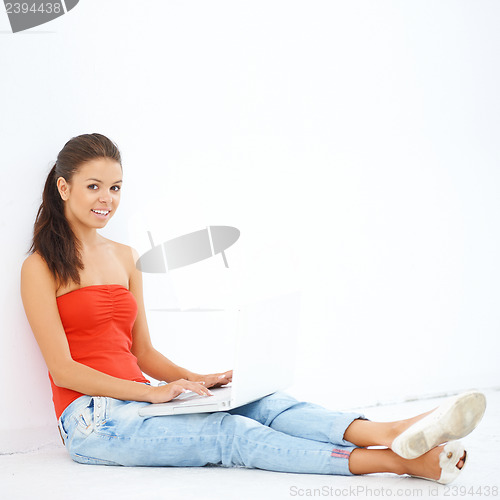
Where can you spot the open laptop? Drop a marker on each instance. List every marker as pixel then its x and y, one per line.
pixel 264 361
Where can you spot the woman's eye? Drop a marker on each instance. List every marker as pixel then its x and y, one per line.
pixel 92 186
pixel 116 188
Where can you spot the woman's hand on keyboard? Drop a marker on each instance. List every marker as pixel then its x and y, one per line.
pixel 213 379
pixel 167 392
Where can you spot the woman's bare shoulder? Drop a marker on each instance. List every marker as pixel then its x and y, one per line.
pixel 34 264
pixel 122 249
pixel 127 254
pixel 36 272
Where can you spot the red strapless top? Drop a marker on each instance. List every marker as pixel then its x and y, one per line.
pixel 98 321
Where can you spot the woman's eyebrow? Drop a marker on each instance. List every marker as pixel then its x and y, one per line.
pixel 97 180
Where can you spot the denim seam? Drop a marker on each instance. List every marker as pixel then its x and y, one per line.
pixel 248 440
pixel 317 453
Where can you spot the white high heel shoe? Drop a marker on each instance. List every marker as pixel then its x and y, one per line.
pixel 448 460
pixel 454 419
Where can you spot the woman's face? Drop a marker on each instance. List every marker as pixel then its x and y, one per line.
pixel 93 195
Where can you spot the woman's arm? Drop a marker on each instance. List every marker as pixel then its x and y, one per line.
pixel 38 291
pixel 151 361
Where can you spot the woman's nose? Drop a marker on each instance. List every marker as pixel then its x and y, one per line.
pixel 106 198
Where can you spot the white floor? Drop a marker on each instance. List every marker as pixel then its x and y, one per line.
pixel 49 472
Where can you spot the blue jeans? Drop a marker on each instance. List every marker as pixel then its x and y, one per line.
pixel 276 433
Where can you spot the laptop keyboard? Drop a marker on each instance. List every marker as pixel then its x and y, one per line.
pixel 187 395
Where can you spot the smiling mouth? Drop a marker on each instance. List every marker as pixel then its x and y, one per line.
pixel 100 212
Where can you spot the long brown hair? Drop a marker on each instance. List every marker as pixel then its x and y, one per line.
pixel 53 237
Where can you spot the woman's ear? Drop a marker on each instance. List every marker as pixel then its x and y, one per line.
pixel 63 188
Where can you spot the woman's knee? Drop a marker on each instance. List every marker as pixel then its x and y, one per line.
pixel 279 397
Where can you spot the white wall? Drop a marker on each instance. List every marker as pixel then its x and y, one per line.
pixel 354 144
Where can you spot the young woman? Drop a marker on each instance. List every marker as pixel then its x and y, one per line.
pixel 83 297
